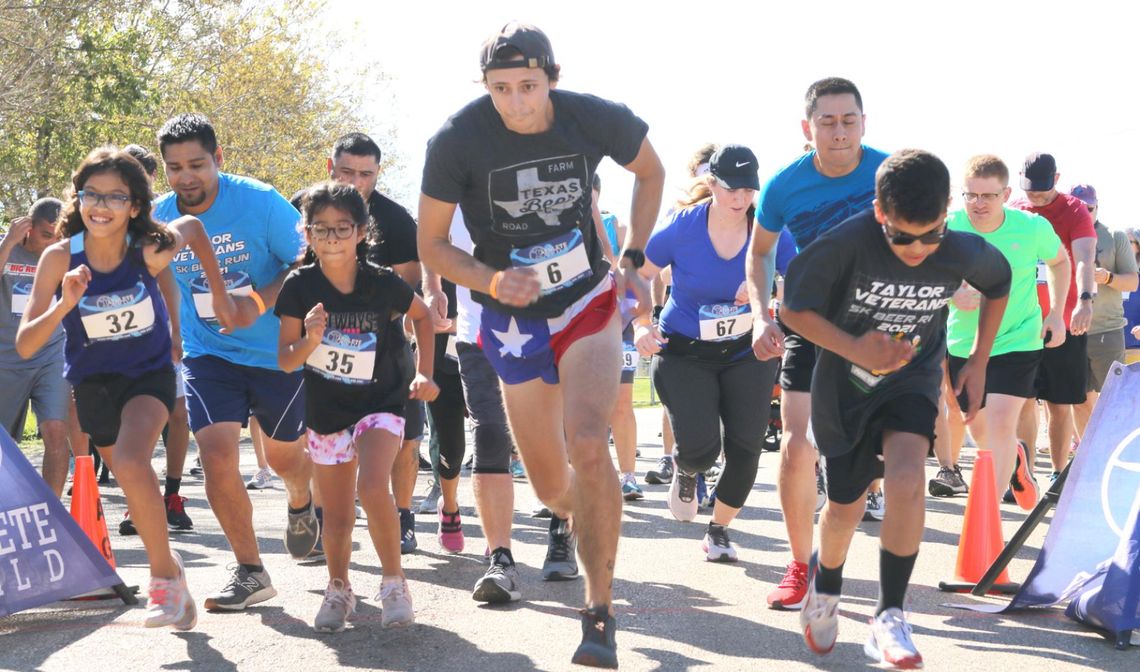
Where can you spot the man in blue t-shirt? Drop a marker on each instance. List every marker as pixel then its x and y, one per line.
pixel 808 197
pixel 231 375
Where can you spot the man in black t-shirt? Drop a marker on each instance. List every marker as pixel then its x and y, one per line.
pixel 519 163
pixel 878 316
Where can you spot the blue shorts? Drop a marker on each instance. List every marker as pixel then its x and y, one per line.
pixel 221 391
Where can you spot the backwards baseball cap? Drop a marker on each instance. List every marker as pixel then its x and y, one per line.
pixel 735 167
pixel 1039 172
pixel 502 49
pixel 1086 193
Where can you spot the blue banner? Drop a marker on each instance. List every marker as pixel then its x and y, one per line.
pixel 1092 517
pixel 44 556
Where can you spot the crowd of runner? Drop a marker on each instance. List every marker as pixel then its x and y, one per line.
pixel 838 312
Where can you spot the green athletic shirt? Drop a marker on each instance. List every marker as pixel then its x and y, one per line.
pixel 1023 238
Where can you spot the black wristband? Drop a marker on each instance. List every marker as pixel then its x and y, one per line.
pixel 657 313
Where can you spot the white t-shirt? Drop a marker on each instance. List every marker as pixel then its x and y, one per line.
pixel 470 312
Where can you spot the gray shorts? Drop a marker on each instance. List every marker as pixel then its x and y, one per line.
pixel 1103 349
pixel 484 400
pixel 45 387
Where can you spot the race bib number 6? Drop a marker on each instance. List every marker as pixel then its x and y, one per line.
pixel 559 262
pixel 724 321
pixel 345 358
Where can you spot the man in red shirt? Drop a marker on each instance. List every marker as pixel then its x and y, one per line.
pixel 1062 376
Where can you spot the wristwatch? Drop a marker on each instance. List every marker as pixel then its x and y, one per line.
pixel 635 256
pixel 1087 296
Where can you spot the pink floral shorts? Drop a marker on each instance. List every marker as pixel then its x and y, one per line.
pixel 330 449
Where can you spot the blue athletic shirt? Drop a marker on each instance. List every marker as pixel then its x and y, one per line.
pixel 256 235
pixel 120 325
pixel 609 222
pixel 704 283
pixel 808 203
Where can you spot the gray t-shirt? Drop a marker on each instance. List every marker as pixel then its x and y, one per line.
pixel 1114 254
pixel 15 288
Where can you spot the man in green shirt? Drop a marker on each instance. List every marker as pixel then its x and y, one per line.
pixel 1024 238
pixel 1116 272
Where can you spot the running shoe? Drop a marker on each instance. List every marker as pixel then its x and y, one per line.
pixel 683 496
pixel 948 482
pixel 430 502
pixel 261 480
pixel 599 646
pixel 1022 485
pixel 170 602
pixel 196 471
pixel 500 583
pixel 450 533
pixel 318 551
pixel 819 618
pixel 338 606
pixel 407 532
pixel 127 526
pixel 890 642
pixel 176 518
pixel 517 470
pixel 395 603
pixel 302 530
pixel 791 593
pixel 876 507
pixel 630 490
pixel 560 563
pixel 664 472
pixel 244 589
pixel 717 546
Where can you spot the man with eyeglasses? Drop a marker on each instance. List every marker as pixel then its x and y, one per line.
pixel 1116 272
pixel 1024 239
pixel 878 317
pixel 1063 373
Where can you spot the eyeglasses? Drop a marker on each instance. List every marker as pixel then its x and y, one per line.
pixel 322 232
pixel 901 239
pixel 91 199
pixel 971 197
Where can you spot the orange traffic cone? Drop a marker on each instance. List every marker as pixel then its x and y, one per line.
pixel 87 506
pixel 981 540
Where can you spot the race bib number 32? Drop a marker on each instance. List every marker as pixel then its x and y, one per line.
pixel 116 315
pixel 345 358
pixel 559 262
pixel 724 321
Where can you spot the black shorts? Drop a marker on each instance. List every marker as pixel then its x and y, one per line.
pixel 99 400
pixel 1062 377
pixel 798 362
pixel 1014 373
pixel 850 474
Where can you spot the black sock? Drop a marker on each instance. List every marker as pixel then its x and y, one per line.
pixel 894 577
pixel 252 569
pixel 302 509
pixel 828 581
pixel 172 485
pixel 504 554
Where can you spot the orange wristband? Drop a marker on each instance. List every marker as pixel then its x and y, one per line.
pixel 494 288
pixel 258 300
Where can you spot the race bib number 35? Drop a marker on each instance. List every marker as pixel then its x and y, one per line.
pixel 724 321
pixel 116 315
pixel 559 262
pixel 345 358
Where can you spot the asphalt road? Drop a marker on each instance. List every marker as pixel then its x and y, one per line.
pixel 675 611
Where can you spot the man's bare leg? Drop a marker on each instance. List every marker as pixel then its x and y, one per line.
pixel 796 480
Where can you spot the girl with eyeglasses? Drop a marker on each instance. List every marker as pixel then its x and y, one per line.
pixel 340 319
pixel 99 282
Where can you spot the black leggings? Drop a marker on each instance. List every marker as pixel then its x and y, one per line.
pixel 699 396
pixel 446 419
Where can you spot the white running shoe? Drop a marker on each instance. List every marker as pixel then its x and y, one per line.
pixel 890 642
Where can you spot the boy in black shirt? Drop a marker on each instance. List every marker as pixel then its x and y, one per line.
pixel 878 316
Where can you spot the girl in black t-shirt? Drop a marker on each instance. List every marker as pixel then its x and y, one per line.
pixel 339 318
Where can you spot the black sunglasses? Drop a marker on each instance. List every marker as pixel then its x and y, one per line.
pixel 901 239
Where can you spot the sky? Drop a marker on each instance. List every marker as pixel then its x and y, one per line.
pixel 957 79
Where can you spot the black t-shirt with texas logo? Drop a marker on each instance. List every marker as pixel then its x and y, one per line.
pixel 362 365
pixel 850 276
pixel 526 199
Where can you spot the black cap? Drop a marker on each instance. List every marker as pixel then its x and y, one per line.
pixel 1039 172
pixel 735 167
pixel 501 49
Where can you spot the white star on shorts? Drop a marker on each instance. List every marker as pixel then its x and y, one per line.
pixel 513 340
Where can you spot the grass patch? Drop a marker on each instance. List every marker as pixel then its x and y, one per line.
pixel 642 388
